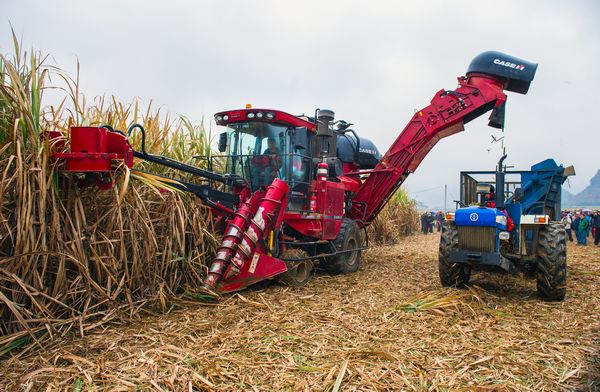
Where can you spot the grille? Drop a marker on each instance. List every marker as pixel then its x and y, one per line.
pixel 481 239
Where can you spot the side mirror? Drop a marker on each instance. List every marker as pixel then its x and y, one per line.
pixel 223 142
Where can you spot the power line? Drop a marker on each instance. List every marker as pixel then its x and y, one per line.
pixel 428 189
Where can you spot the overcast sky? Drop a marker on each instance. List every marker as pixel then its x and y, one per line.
pixel 372 62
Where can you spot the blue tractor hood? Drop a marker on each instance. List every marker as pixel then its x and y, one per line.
pixel 478 216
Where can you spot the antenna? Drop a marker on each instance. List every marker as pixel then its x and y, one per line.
pixel 502 145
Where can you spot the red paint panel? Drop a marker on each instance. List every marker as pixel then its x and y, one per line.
pixel 350 184
pixel 310 225
pixel 259 267
pixel 93 149
pixel 334 199
pixel 284 118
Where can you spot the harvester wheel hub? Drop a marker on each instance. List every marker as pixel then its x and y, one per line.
pixel 298 275
pixel 352 256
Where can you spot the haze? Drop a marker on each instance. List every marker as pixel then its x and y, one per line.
pixel 373 63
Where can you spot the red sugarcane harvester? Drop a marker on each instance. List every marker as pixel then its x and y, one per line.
pixel 296 190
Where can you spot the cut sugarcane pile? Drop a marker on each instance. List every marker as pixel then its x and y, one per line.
pixel 388 327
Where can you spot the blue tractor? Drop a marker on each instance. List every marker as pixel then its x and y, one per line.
pixel 508 221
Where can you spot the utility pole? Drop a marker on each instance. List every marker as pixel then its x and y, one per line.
pixel 445 197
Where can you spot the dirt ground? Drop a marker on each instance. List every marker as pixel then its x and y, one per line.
pixel 388 327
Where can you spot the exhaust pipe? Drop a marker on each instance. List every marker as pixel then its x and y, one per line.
pixel 327 139
pixel 500 184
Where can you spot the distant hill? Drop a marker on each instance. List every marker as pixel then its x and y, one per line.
pixel 421 205
pixel 567 198
pixel 590 196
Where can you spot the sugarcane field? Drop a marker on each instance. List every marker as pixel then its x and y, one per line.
pixel 256 196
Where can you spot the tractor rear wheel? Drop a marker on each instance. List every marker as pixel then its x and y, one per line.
pixel 551 271
pixel 451 274
pixel 348 242
pixel 298 274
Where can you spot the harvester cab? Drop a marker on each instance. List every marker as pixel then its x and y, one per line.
pixel 509 221
pixel 260 145
pixel 292 191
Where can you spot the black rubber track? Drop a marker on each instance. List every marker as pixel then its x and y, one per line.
pixel 451 274
pixel 551 266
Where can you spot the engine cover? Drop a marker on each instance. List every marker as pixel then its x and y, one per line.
pixel 476 216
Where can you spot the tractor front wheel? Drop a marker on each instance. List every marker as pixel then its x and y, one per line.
pixel 551 271
pixel 451 274
pixel 348 243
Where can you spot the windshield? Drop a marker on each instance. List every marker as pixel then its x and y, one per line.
pixel 261 152
pixel 256 151
pixel 254 138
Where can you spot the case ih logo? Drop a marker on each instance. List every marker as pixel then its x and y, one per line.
pixel 518 67
pixel 474 217
pixel 368 151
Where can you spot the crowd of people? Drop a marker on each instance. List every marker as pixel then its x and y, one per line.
pixel 582 223
pixel 431 220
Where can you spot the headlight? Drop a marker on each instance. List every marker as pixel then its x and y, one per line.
pixel 270 116
pixel 259 115
pixel 504 235
pixel 225 117
pixel 250 115
pixel 501 219
pixel 218 118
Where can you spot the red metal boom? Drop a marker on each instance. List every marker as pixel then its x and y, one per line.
pixel 445 116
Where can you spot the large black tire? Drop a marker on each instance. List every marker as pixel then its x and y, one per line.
pixel 451 274
pixel 348 238
pixel 551 271
pixel 298 274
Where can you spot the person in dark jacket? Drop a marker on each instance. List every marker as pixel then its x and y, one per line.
pixel 439 217
pixel 596 227
pixel 431 221
pixel 424 228
pixel 575 225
